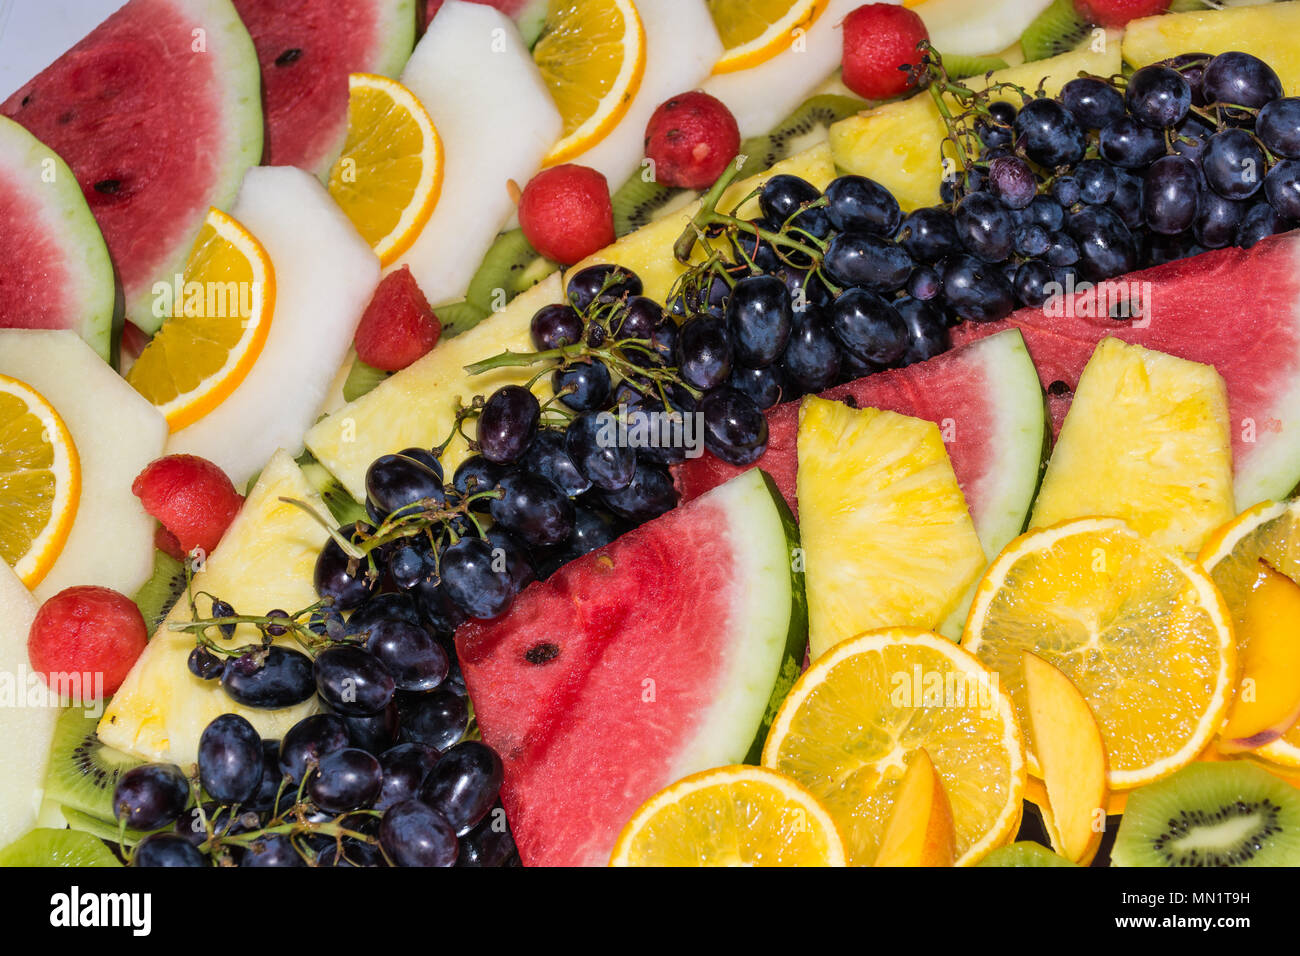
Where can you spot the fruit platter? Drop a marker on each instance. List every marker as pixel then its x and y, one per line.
pixel 653 433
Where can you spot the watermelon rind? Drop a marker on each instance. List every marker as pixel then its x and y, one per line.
pixel 66 219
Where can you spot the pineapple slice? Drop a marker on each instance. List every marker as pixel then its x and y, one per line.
pixel 887 538
pixel 898 144
pixel 1268 32
pixel 264 561
pixel 1147 440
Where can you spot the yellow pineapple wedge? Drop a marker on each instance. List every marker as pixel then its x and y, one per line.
pixel 887 538
pixel 1268 31
pixel 264 561
pixel 417 406
pixel 1146 439
pixel 898 144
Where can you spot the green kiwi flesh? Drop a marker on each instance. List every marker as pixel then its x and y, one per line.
pixel 961 67
pixel 362 378
pixel 48 847
pixel 1058 29
pixel 1024 853
pixel 456 317
pixel 343 507
pixel 157 595
pixel 510 266
pixel 803 128
pixel 82 772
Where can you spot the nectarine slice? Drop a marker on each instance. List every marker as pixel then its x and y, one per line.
pixel 920 830
pixel 1268 694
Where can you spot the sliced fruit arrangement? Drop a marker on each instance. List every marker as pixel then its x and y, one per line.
pixel 140 69
pixel 977 29
pixel 57 274
pixel 920 830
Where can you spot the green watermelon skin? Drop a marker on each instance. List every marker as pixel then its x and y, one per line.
pixel 158 113
pixel 662 654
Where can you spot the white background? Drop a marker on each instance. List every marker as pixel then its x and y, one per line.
pixel 33 33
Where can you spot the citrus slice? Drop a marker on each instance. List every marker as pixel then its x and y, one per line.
pixel 40 481
pixel 591 53
pixel 389 176
pixel 1140 630
pixel 1270 530
pixel 220 319
pixel 754 31
pixel 854 721
pixel 731 816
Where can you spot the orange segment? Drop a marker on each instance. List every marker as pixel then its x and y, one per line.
pixel 754 31
pixel 219 323
pixel 40 481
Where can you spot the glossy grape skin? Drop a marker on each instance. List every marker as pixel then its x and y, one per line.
pixel 463 784
pixel 475 475
pixel 336 576
pixel 1048 134
pixel 533 509
pixel 346 779
pixel 271 850
pixel 437 719
pixel 1032 240
pixel 927 332
pixel 205 665
pixel 925 282
pixel 586 284
pixel 1012 182
pixel 1192 68
pixel 150 796
pixel 1239 79
pixel 404 769
pixel 591 441
pixel 425 457
pixel 398 605
pixel 812 359
pixel 190 824
pixel 1043 211
pixel 1106 247
pixel 547 457
pixel 928 234
pixel 555 325
pixel 396 481
pixel 1127 143
pixel 592 529
pixel 507 423
pixel 1157 96
pixel 868 261
pixel 735 430
pixel 264 799
pixel 759 317
pixel 869 327
pixel 282 680
pixel 230 759
pixel 167 849
pixel 637 319
pixel 1171 195
pixel 1233 164
pixel 783 195
pixel 374 733
pixel 1260 221
pixel 489 844
pixel 354 853
pixel 591 384
pixel 1063 251
pixel 986 227
pixel 413 834
pixel 1278 127
pixel 1066 191
pixel 704 352
pixel 1282 187
pixel 859 204
pixel 410 654
pixel 1217 220
pixel 1127 201
pixel 1097 181
pixel 471 582
pixel 1191 137
pixel 1031 282
pixel 976 290
pixel 650 494
pixel 311 739
pixel 1092 102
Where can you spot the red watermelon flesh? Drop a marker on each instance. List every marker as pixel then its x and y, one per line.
pixel 635 665
pixel 1235 309
pixel 157 123
pixel 988 406
pixel 306 49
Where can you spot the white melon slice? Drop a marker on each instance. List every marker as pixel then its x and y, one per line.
pixel 681 48
pixel 116 433
pixel 264 561
pixel 497 121
pixel 325 274
pixel 763 95
pixel 27 716
pixel 977 29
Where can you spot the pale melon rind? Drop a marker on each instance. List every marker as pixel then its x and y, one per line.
pixel 117 433
pixel 265 560
pixel 91 289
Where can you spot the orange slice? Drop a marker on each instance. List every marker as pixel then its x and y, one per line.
pixel 754 31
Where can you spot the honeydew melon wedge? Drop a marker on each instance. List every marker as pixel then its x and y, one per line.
pixel 325 274
pixel 26 720
pixel 264 561
pixel 977 29
pixel 763 95
pixel 117 433
pixel 497 121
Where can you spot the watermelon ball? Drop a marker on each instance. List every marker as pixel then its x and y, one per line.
pixel 398 326
pixel 193 499
pixel 1116 13
pixel 880 47
pixel 87 629
pixel 566 213
pixel 690 139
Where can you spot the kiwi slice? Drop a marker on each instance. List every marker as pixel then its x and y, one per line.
pixel 510 266
pixel 164 587
pixel 459 316
pixel 104 829
pixel 1227 813
pixel 961 67
pixel 805 127
pixel 338 499
pixel 637 202
pixel 82 771
pixel 46 847
pixel 361 379
pixel 1024 853
pixel 1058 29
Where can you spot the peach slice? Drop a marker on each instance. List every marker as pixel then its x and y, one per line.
pixel 1268 693
pixel 920 830
pixel 1073 759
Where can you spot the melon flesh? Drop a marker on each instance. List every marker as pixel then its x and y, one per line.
pixel 117 433
pixel 1235 309
pixel 977 29
pixel 158 123
pixel 54 267
pixel 496 120
pixel 26 720
pixel 989 408
pixel 639 663
pixel 306 92
pixel 325 274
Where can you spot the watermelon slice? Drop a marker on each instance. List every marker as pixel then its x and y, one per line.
pixel 1235 309
pixel 989 408
pixel 306 49
pixel 54 267
pixel 157 111
pixel 660 655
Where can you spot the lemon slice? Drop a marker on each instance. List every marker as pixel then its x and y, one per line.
pixel 389 176
pixel 219 324
pixel 591 53
pixel 856 718
pixel 1270 530
pixel 40 481
pixel 731 816
pixel 1140 630
pixel 754 31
